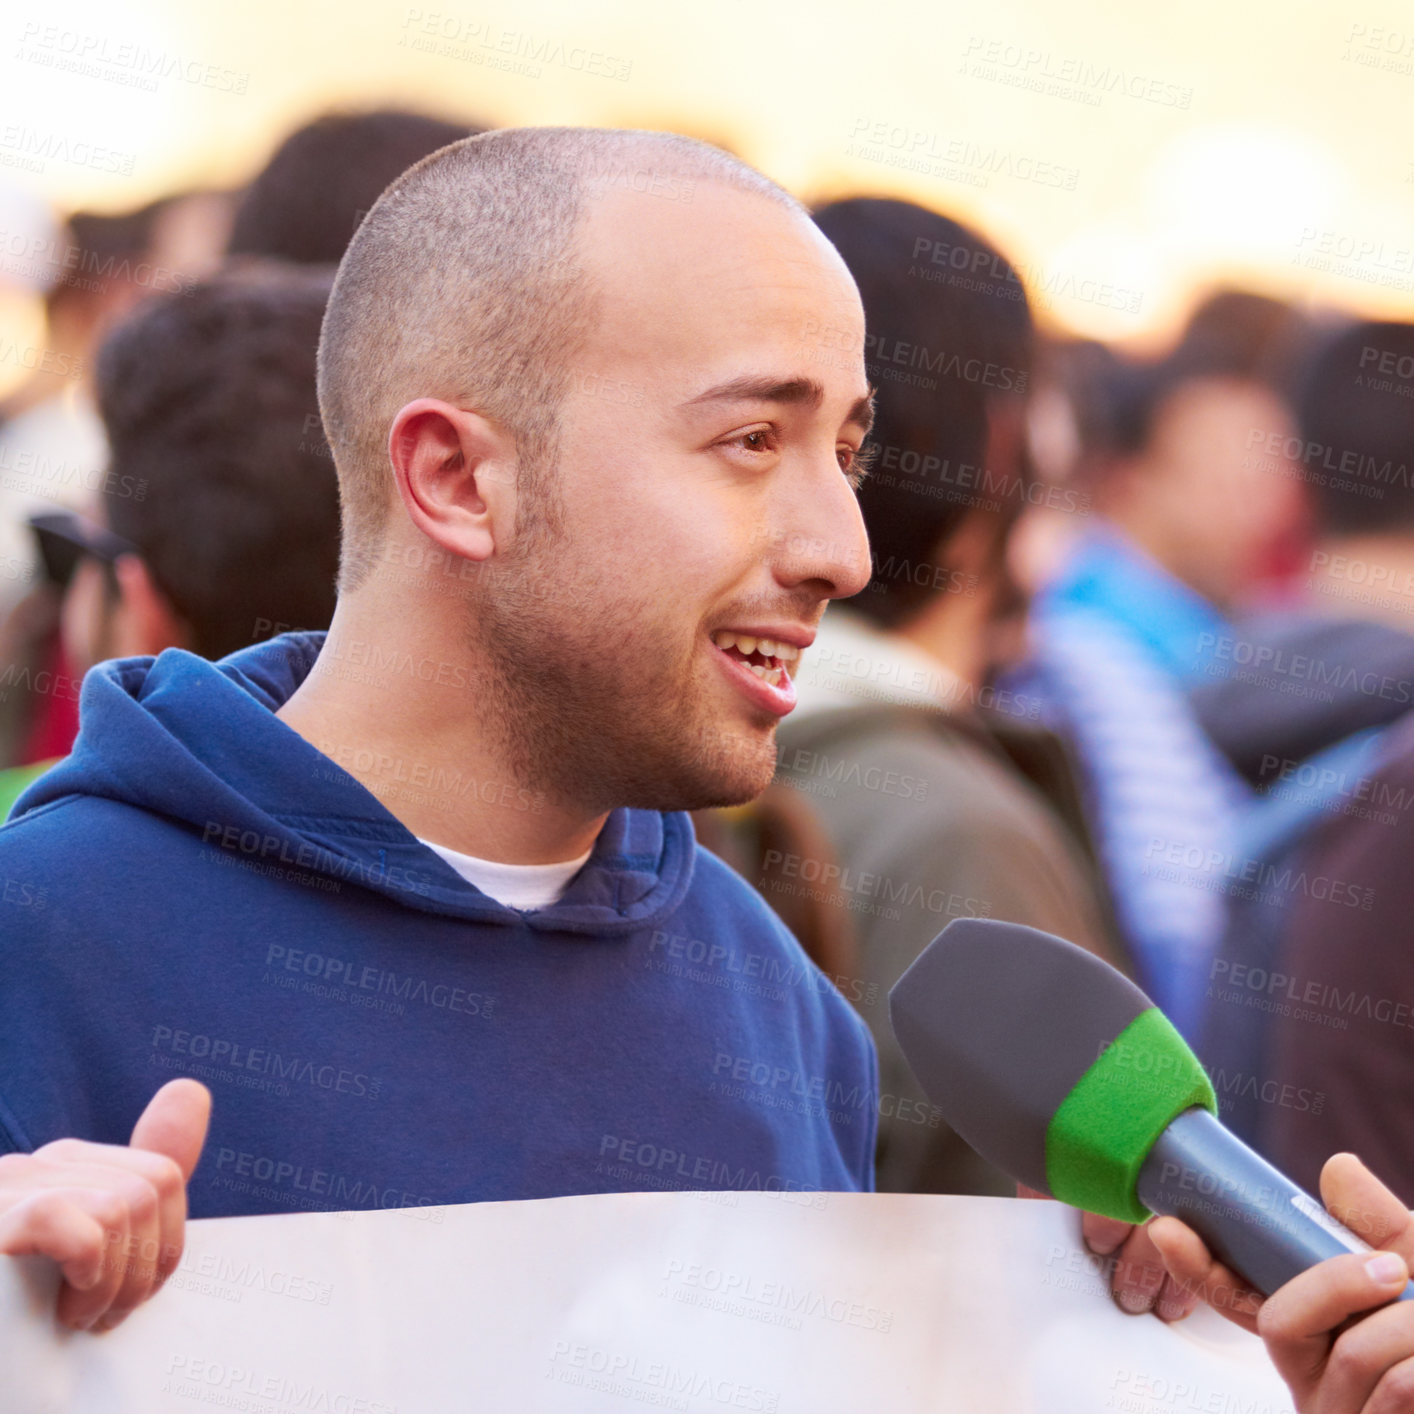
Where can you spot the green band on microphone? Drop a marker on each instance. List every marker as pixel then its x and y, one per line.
pixel 1098 1139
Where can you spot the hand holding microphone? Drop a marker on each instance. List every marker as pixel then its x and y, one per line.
pixel 1063 1073
pixel 1329 1368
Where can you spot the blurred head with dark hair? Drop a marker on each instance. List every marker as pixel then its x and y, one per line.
pixel 1170 448
pixel 1240 334
pixel 101 248
pixel 104 271
pixel 190 230
pixel 219 475
pixel 325 177
pixel 101 265
pixel 1356 408
pixel 948 349
pixel 1090 405
pixel 1233 336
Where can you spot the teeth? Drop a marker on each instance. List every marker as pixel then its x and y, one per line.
pixel 747 644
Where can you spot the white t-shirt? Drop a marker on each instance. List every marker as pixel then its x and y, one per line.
pixel 522 886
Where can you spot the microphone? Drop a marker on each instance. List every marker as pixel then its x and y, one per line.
pixel 1061 1072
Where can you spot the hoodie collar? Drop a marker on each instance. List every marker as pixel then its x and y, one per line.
pixel 199 742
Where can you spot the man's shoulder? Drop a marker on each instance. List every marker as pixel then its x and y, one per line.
pixel 77 842
pixel 68 817
pixel 761 952
pixel 725 901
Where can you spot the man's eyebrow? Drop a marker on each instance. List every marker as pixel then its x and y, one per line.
pixel 862 413
pixel 805 392
pixel 755 388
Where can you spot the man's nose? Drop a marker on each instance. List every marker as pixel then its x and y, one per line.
pixel 826 545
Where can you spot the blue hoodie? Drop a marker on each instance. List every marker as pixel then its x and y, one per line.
pixel 198 891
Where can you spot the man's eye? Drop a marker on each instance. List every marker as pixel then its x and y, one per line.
pixel 760 441
pixel 856 464
pixel 757 441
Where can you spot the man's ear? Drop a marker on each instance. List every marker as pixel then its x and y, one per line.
pixel 456 474
pixel 144 621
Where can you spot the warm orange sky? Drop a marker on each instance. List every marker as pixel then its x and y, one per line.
pixel 1123 155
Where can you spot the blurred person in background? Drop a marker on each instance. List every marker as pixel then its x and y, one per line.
pixel 307 202
pixel 190 230
pixel 52 457
pixel 944 807
pixel 96 264
pixel 1188 525
pixel 1340 617
pixel 220 523
pixel 1309 1001
pixel 51 440
pixel 303 207
pixel 29 609
pixel 52 450
pixel 1091 405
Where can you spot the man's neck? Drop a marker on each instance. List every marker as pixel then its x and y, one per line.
pixel 397 707
pixel 1365 576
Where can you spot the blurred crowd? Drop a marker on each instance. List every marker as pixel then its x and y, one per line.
pixel 1134 666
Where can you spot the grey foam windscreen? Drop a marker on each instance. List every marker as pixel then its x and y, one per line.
pixel 998 1022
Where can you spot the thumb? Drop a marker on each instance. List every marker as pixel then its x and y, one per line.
pixel 174 1123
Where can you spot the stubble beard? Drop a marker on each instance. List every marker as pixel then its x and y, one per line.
pixel 597 706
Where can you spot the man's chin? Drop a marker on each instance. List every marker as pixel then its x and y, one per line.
pixel 736 787
pixel 725 797
pixel 713 778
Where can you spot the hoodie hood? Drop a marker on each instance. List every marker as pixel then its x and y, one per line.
pixel 199 743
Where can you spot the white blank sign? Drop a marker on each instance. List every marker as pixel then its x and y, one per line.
pixel 798 1303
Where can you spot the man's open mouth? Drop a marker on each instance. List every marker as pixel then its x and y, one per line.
pixel 765 657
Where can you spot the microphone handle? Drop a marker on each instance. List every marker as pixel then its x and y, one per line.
pixel 1252 1217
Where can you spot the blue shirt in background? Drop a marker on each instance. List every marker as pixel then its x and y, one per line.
pixel 1108 575
pixel 1116 643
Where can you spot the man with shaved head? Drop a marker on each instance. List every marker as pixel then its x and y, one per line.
pixel 605 408
pixel 419 902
